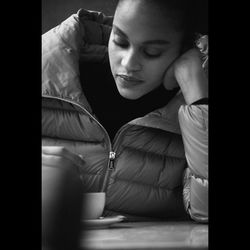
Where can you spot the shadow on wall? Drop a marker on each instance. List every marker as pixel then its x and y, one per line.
pixel 56 11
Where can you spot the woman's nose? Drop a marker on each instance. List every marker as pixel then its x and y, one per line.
pixel 130 61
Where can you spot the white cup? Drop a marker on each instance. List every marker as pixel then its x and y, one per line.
pixel 93 205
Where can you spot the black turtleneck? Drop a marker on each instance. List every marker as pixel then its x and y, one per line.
pixel 111 109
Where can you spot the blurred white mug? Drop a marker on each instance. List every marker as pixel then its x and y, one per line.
pixel 93 205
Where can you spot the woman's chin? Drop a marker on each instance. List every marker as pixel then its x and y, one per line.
pixel 129 94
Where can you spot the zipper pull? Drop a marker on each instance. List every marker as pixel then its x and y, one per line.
pixel 111 159
pixel 111 155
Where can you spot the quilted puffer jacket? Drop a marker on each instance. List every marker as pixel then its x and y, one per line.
pixel 156 166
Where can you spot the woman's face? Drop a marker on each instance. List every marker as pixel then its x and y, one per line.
pixel 142 45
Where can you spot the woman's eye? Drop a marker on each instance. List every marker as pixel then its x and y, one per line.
pixel 152 53
pixel 120 42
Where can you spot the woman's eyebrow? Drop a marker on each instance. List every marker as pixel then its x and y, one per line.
pixel 119 31
pixel 157 42
pixel 149 42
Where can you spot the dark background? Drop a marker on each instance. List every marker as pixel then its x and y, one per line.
pixel 56 11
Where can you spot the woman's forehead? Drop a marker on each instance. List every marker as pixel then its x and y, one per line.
pixel 139 20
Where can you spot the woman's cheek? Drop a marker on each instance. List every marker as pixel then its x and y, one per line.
pixel 112 48
pixel 112 56
pixel 157 70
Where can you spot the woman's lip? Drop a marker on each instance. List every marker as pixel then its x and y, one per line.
pixel 130 78
pixel 128 83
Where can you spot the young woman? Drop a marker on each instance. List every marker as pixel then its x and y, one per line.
pixel 124 102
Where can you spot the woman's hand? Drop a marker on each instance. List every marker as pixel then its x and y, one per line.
pixel 187 72
pixel 190 76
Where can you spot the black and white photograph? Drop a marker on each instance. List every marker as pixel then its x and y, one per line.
pixel 124 121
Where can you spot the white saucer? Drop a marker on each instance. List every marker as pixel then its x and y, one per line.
pixel 103 222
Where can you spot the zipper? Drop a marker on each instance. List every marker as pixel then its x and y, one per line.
pixel 111 160
pixel 110 165
pixel 108 172
pixel 112 157
pixel 112 153
pixel 78 105
pixel 118 135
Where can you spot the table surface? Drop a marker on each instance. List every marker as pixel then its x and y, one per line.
pixel 147 235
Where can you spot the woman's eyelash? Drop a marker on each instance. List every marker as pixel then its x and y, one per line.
pixel 120 44
pixel 123 44
pixel 152 55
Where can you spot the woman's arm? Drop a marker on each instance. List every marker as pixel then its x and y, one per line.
pixel 193 119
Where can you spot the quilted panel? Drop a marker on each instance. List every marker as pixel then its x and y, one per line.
pixel 148 173
pixel 63 124
pixel 64 120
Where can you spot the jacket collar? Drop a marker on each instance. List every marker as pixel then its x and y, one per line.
pixel 165 118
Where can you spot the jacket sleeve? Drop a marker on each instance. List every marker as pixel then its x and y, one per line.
pixel 193 121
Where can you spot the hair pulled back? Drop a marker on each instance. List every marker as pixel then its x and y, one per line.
pixel 191 16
